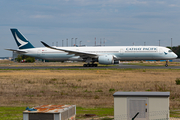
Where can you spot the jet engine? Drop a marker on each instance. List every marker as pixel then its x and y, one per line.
pixel 106 59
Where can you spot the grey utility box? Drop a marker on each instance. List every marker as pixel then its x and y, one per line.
pixel 147 105
pixel 51 112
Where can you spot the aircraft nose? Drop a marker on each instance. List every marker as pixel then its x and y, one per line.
pixel 175 55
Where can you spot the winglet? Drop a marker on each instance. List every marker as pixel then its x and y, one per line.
pixel 46 45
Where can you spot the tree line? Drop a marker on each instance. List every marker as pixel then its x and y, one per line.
pixel 24 58
pixel 176 49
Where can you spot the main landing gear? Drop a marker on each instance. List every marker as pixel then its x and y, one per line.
pixel 88 61
pixel 166 65
pixel 90 65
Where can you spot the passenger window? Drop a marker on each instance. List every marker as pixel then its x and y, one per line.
pixel 170 51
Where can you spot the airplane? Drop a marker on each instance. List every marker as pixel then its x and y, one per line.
pixel 102 54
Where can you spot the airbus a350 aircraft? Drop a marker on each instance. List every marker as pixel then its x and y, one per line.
pixel 102 54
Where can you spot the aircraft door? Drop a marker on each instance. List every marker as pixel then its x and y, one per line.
pixel 160 51
pixel 39 52
pixel 121 51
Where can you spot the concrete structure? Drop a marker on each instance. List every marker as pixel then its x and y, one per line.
pixel 150 105
pixel 51 112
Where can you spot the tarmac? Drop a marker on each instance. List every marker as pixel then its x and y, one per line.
pixel 120 66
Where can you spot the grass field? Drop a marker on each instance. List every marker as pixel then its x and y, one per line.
pixel 15 113
pixel 87 89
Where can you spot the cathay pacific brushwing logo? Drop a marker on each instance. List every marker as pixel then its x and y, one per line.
pixel 20 41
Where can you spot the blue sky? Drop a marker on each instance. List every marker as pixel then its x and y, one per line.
pixel 119 22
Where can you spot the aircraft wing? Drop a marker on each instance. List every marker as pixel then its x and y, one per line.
pixel 76 53
pixel 19 51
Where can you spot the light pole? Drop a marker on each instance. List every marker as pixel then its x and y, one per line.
pixel 95 41
pixel 171 43
pixel 104 41
pixel 72 41
pixel 80 43
pixel 75 41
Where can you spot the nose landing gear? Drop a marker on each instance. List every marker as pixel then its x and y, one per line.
pixel 166 65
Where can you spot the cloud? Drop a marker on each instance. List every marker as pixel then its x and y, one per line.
pixel 150 15
pixel 173 5
pixel 160 2
pixel 41 16
pixel 136 2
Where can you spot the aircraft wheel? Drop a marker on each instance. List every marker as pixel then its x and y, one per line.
pixel 166 63
pixel 90 65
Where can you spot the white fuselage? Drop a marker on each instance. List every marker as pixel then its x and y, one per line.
pixel 120 52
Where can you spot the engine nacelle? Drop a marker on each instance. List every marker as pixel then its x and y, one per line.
pixel 106 59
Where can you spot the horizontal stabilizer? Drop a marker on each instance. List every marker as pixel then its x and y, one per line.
pixel 19 51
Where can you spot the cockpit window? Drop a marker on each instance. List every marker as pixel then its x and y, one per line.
pixel 170 51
